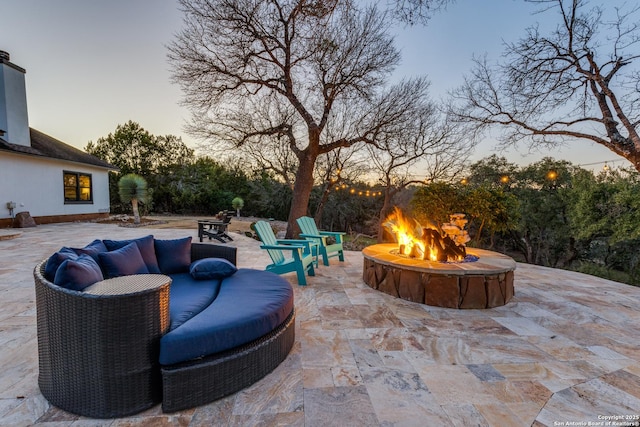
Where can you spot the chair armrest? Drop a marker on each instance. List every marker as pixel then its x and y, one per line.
pixel 336 234
pixel 332 233
pixel 322 239
pixel 299 242
pixel 296 250
pixel 283 247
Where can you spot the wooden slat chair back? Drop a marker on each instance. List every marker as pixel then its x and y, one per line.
pixel 299 256
pixel 326 249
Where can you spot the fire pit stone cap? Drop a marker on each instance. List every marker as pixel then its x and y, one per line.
pixel 489 262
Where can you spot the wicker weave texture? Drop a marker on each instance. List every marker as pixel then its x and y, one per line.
pixel 98 354
pixel 198 382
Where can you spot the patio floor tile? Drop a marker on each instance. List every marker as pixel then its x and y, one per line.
pixel 566 348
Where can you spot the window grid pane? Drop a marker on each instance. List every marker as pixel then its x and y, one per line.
pixel 77 187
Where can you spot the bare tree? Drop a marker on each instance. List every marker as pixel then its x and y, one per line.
pixel 300 59
pixel 334 170
pixel 580 82
pixel 421 135
pixel 416 11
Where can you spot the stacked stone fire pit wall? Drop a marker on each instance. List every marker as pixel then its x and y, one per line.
pixel 485 283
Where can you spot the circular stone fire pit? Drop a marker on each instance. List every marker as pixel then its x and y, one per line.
pixel 485 283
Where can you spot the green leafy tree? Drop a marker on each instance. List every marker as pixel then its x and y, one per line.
pixel 237 203
pixel 488 209
pixel 604 217
pixel 133 149
pixel 132 188
pixel 433 203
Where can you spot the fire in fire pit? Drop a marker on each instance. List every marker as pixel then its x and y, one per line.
pixel 445 243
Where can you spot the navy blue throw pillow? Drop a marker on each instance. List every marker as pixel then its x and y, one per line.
pixel 123 262
pixel 79 273
pixel 145 245
pixel 174 256
pixel 211 268
pixel 92 249
pixel 54 261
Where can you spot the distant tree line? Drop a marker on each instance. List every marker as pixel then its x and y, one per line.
pixel 181 183
pixel 549 213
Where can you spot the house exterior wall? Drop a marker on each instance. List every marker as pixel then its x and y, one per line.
pixel 36 185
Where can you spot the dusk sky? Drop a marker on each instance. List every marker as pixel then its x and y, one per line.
pixel 92 65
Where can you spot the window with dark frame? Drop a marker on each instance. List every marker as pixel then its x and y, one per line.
pixel 77 187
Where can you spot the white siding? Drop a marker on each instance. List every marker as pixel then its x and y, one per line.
pixel 35 185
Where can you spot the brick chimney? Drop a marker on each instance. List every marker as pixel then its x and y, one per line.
pixel 14 121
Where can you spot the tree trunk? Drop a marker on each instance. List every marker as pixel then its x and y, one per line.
pixel 320 209
pixel 136 213
pixel 386 206
pixel 301 193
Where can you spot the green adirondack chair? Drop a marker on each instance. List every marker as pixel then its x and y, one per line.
pixel 326 250
pixel 300 254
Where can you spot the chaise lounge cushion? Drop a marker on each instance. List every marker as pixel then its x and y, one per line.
pixel 78 273
pixel 250 304
pixel 211 268
pixel 189 297
pixel 174 256
pixel 123 262
pixel 145 245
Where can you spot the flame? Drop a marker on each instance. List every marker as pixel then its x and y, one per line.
pixel 428 243
pixel 408 233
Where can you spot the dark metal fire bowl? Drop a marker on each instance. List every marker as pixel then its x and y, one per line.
pixel 485 283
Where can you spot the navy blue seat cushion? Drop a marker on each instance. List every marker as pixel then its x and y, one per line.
pixel 250 304
pixel 78 273
pixel 123 262
pixel 211 268
pixel 188 297
pixel 146 247
pixel 174 256
pixel 54 261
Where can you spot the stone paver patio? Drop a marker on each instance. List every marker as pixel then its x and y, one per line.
pixel 564 350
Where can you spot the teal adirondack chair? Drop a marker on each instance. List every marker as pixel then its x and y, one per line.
pixel 310 232
pixel 300 260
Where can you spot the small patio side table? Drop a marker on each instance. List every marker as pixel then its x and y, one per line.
pixel 99 349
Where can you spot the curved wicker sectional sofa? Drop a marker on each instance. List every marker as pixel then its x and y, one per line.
pixel 107 356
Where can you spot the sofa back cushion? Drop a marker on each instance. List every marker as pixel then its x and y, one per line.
pixel 145 246
pixel 78 273
pixel 123 262
pixel 174 256
pixel 92 249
